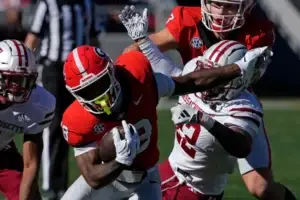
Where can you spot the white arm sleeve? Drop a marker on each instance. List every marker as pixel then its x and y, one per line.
pixel 81 150
pixel 165 85
pixel 159 62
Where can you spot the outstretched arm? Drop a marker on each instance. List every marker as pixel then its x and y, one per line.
pixel 32 149
pixel 196 81
pixel 137 26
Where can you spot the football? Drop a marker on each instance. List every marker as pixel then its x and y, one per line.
pixel 107 147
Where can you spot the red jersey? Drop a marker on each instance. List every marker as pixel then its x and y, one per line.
pixel 186 27
pixel 140 95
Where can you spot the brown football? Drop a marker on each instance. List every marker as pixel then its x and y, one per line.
pixel 107 147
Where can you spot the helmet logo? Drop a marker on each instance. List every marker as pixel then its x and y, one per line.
pixel 100 52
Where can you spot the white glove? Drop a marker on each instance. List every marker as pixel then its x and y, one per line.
pixel 254 63
pixel 135 23
pixel 127 148
pixel 186 114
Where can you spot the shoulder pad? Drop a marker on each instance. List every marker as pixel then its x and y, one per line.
pixel 43 104
pixel 246 105
pixel 79 126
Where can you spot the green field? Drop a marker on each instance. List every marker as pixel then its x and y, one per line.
pixel 283 129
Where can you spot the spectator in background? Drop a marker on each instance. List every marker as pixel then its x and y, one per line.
pixel 61 26
pixel 12 29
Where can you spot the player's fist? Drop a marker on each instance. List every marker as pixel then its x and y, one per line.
pixel 253 65
pixel 127 148
pixel 135 23
pixel 185 114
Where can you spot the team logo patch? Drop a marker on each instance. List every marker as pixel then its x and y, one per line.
pixel 100 52
pixel 99 128
pixel 196 42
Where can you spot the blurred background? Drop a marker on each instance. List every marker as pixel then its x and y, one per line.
pixel 279 89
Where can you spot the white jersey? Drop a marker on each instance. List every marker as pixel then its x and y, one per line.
pixel 30 117
pixel 197 157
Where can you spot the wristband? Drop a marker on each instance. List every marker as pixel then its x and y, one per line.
pixel 206 121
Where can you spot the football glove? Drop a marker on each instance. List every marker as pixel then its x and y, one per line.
pixel 253 64
pixel 135 23
pixel 127 148
pixel 186 114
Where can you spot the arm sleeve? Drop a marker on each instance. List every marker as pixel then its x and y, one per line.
pixel 165 85
pixel 243 123
pixel 160 63
pixel 38 25
pixel 81 150
pixel 174 23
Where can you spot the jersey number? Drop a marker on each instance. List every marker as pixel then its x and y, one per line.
pixel 189 138
pixel 144 129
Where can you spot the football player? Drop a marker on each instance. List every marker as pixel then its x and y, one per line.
pixel 107 93
pixel 25 108
pixel 192 30
pixel 213 129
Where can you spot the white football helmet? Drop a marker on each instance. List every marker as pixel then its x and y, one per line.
pixel 18 71
pixel 214 19
pixel 220 54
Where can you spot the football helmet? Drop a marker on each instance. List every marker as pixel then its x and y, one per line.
pixel 18 71
pixel 216 19
pixel 220 54
pixel 90 77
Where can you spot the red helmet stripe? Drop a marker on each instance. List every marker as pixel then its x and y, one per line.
pixel 224 50
pixel 78 63
pixel 25 54
pixel 217 49
pixel 18 51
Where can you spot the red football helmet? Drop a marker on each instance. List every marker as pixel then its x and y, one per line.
pixel 89 76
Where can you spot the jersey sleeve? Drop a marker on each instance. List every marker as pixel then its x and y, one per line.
pixel 245 117
pixel 44 111
pixel 176 24
pixel 39 22
pixel 165 85
pixel 159 62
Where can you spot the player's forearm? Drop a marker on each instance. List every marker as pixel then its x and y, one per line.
pixel 205 79
pixel 234 142
pixel 100 175
pixel 160 63
pixel 29 186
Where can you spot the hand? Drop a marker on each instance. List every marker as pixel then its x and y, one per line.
pixel 135 23
pixel 127 148
pixel 185 114
pixel 254 63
